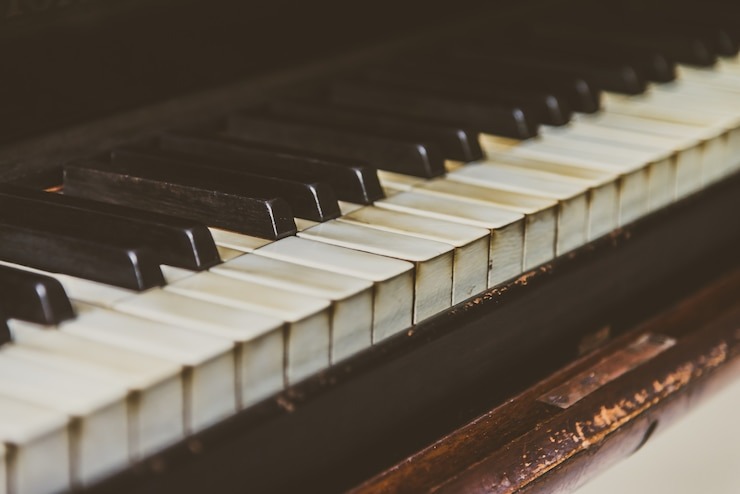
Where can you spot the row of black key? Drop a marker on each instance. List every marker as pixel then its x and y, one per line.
pixel 121 217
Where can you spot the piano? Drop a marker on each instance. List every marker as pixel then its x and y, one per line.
pixel 399 247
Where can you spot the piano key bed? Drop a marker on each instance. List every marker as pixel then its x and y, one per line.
pixel 208 273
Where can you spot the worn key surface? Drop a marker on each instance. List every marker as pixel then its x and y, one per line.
pixel 455 142
pixel 215 202
pixel 176 241
pixel 617 77
pixel 549 108
pixel 508 120
pixel 410 157
pixel 351 180
pixel 654 64
pixel 48 247
pixel 581 94
pixel 308 198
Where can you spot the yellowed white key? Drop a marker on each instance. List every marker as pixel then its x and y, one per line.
pixel 711 143
pixel 540 214
pixel 660 163
pixel 237 241
pixel 258 338
pixel 686 172
pixel 98 409
pixel 352 298
pixel 724 76
pixel 471 244
pixel 506 256
pixel 393 279
pixel 601 194
pixel 570 193
pixel 725 101
pixel 307 318
pixel 433 260
pixel 632 184
pixel 208 360
pixel 155 385
pixel 398 181
pixel 683 111
pixel 39 440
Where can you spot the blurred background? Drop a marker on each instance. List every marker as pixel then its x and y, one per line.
pixel 699 454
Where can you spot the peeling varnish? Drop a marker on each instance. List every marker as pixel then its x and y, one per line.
pixel 608 419
pixel 499 291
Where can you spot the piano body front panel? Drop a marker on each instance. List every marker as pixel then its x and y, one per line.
pixel 323 358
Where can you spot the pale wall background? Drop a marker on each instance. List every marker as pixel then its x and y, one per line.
pixel 699 454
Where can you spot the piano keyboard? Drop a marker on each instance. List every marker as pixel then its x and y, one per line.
pixel 179 281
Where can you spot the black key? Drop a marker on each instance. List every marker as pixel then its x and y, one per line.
pixel 620 78
pixel 514 121
pixel 651 22
pixel 408 157
pixel 722 22
pixel 220 201
pixel 549 108
pixel 48 248
pixel 455 142
pixel 352 181
pixel 310 199
pixel 33 297
pixel 683 49
pixel 5 336
pixel 654 64
pixel 581 95
pixel 175 241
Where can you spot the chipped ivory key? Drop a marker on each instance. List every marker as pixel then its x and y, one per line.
pixel 471 243
pixel 433 260
pixel 393 279
pixel 308 319
pixel 352 311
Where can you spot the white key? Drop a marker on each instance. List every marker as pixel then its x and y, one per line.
pixel 540 220
pixel 398 181
pixel 308 318
pixel 100 436
pixel 208 360
pixel 657 168
pixel 348 207
pixel 720 100
pixel 237 241
pixel 687 166
pixel 712 146
pixel 572 195
pixel 633 182
pixel 39 439
pixel 660 163
pixel 720 124
pixel 471 244
pixel 302 224
pixel 157 402
pixel 393 279
pixel 602 194
pixel 352 298
pixel 433 260
pixel 258 338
